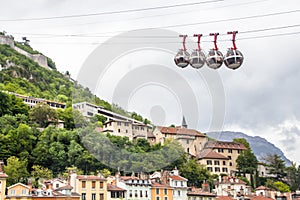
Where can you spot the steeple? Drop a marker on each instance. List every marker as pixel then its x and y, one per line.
pixel 184 124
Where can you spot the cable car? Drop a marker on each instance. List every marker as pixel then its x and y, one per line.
pixel 233 58
pixel 214 58
pixel 182 57
pixel 197 58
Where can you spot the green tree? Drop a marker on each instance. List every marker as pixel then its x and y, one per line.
pixel 16 170
pixel 276 166
pixel 5 103
pixel 195 173
pixel 39 173
pixel 246 162
pixel 105 172
pixel 282 187
pixel 43 114
pixel 293 176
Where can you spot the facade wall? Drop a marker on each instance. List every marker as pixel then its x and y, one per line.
pixel 191 197
pixel 86 192
pixel 179 189
pixel 216 166
pixel 2 188
pixel 232 154
pixel 161 193
pixel 18 190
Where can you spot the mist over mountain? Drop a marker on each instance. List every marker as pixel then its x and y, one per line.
pixel 260 146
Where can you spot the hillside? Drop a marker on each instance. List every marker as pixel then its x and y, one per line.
pixel 260 146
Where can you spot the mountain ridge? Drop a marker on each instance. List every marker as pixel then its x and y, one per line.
pixel 259 145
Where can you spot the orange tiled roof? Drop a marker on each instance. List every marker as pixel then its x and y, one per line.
pixel 89 177
pixel 160 185
pixel 225 145
pixel 209 153
pixel 261 198
pixel 111 187
pixel 180 131
pixel 178 178
pixel 224 198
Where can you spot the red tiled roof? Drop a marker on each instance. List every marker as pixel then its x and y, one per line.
pixel 261 198
pixel 114 188
pixel 150 135
pixel 224 198
pixel 225 145
pixel 198 192
pixel 89 177
pixel 209 153
pixel 160 185
pixel 262 188
pixel 3 175
pixel 178 178
pixel 180 131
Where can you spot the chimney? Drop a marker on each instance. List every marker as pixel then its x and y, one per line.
pixel 205 187
pixel 1 166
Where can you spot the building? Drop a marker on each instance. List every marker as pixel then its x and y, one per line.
pixel 192 141
pixel 115 193
pixel 129 129
pixel 20 191
pixel 264 170
pixel 88 187
pixel 231 186
pixel 214 161
pixel 3 178
pixel 231 150
pixel 161 191
pixel 179 184
pixel 33 101
pixel 136 188
pixel 54 183
pixel 200 194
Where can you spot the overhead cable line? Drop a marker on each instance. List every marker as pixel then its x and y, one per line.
pixel 111 12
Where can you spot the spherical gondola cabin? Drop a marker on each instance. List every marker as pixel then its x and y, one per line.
pixel 214 59
pixel 233 59
pixel 182 58
pixel 197 59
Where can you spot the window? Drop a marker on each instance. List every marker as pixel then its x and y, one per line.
pixel 165 191
pixel 93 184
pixel 83 196
pixel 130 193
pixel 179 193
pixel 209 169
pixel 181 183
pixel 239 151
pixel 166 198
pixel 209 162
pixel 146 194
pixel 221 150
pixel 229 157
pixel 101 184
pixel 188 150
pixel 175 183
pixel 135 193
pixel 101 196
pixel 23 191
pixel 126 123
pixel 217 169
pixel 90 114
pixel 119 130
pixel 187 141
pixel 217 162
pixel 157 198
pixel 157 190
pixel 224 162
pixel 141 193
pixel 93 196
pixel 229 150
pixel 224 169
pixel 57 185
pixel 12 192
pixel 230 164
pixel 119 123
pixel 83 184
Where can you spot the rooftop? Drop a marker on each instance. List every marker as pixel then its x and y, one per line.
pixel 209 153
pixel 225 145
pixel 180 131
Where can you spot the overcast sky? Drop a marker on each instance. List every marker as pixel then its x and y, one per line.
pixel 261 98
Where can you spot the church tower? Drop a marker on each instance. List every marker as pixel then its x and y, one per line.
pixel 184 124
pixel 3 178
